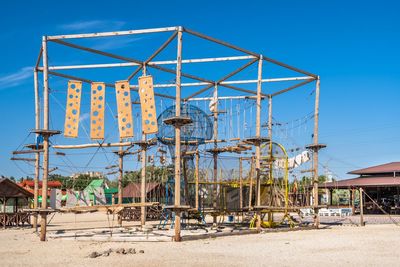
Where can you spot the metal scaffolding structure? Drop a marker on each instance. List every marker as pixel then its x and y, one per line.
pixel 178 34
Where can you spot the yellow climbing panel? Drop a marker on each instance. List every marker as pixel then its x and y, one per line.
pixel 72 111
pixel 147 103
pixel 124 106
pixel 97 110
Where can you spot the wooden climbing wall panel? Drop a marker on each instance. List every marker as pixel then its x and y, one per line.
pixel 124 106
pixel 97 110
pixel 72 111
pixel 147 103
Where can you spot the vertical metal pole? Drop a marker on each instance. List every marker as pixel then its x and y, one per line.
pixel 353 198
pixel 258 135
pixel 315 155
pixel 240 184
pixel 361 208
pixel 270 215
pixel 251 181
pixel 120 176
pixel 37 155
pixel 197 174
pixel 143 158
pixel 43 222
pixel 143 182
pixel 215 155
pixel 178 138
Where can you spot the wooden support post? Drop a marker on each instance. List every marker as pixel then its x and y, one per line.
pixel 215 155
pixel 143 182
pixel 197 175
pixel 353 198
pixel 4 212
pixel 43 222
pixel 315 155
pixel 362 223
pixel 258 135
pixel 177 192
pixel 37 155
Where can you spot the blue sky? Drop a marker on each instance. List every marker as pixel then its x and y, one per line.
pixel 352 45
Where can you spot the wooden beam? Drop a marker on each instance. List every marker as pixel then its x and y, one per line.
pixel 292 87
pixel 161 48
pixel 95 51
pixel 276 62
pixel 67 76
pixel 222 79
pixel 109 34
pixel 94 145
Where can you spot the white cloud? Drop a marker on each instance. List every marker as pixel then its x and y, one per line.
pixel 84 117
pixel 92 25
pixel 115 43
pixel 16 78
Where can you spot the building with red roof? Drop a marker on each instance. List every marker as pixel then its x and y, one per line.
pixel 380 184
pixel 29 185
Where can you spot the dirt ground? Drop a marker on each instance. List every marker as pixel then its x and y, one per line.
pixel 333 246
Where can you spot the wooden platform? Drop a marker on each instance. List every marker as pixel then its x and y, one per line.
pixel 178 208
pixel 255 140
pixel 115 207
pixel 178 121
pixel 315 147
pixel 46 132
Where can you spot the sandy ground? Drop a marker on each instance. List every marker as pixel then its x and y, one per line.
pixel 334 246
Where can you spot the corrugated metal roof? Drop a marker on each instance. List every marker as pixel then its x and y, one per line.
pixel 379 169
pixel 364 181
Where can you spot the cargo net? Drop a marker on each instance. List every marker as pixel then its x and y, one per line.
pixel 192 135
pixel 274 171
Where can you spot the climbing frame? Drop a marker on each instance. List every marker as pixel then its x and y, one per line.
pixel 73 109
pixel 147 103
pixel 124 105
pixel 97 110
